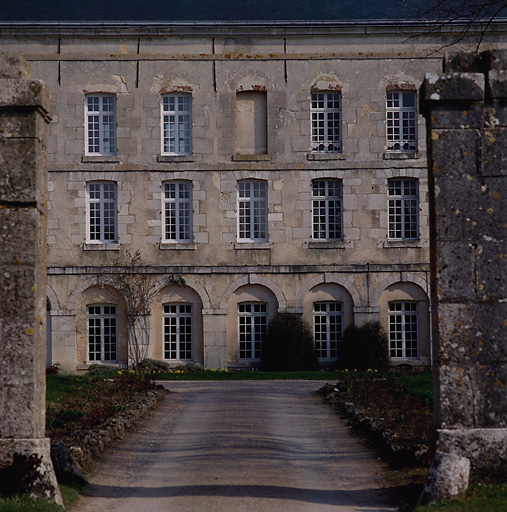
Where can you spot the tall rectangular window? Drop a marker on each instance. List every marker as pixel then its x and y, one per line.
pixel 177 124
pixel 403 206
pixel 327 329
pixel 177 331
pixel 253 211
pixel 177 211
pixel 253 321
pixel 403 329
pixel 101 124
pixel 327 209
pixel 102 212
pixel 102 334
pixel 401 121
pixel 326 122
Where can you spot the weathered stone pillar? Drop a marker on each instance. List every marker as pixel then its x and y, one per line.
pixel 24 450
pixel 466 111
pixel 215 348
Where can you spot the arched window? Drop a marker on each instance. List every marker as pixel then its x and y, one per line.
pixel 327 329
pixel 252 325
pixel 403 329
pixel 177 325
pixel 102 333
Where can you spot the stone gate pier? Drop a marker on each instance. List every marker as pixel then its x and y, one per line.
pixel 25 463
pixel 466 111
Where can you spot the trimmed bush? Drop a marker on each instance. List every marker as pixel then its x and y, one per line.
pixel 288 345
pixel 365 347
pixel 153 365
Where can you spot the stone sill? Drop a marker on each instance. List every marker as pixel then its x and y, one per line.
pixel 251 158
pixel 174 158
pixel 335 244
pixel 177 246
pixel 100 159
pixel 252 245
pixel 416 361
pixel 101 247
pixel 111 364
pixel 394 155
pixel 404 244
pixel 326 156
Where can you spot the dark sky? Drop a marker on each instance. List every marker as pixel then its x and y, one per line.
pixel 201 10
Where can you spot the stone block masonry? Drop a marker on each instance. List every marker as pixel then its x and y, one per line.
pixel 23 177
pixel 466 110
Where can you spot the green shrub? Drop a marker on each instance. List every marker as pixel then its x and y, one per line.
pixel 288 345
pixel 101 370
pixel 153 365
pixel 189 368
pixel 365 347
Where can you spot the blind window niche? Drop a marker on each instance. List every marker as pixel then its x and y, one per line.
pixel 251 123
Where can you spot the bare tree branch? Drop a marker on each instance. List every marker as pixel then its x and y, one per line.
pixel 136 286
pixel 472 18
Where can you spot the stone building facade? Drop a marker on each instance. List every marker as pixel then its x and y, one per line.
pixel 276 168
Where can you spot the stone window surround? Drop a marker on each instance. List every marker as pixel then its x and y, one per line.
pixel 77 184
pixel 418 174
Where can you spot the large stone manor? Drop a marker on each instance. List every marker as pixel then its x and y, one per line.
pixel 276 168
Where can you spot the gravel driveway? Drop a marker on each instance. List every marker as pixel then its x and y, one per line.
pixel 230 446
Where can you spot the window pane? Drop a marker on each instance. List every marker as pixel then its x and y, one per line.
pixel 252 211
pixel 252 325
pixel 176 114
pixel 102 212
pixel 326 122
pixel 327 329
pixel 177 208
pixel 177 331
pixel 401 116
pixel 327 210
pixel 101 124
pixel 403 209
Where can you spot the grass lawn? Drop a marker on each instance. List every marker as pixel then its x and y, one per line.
pixel 24 504
pixel 59 386
pixel 327 375
pixel 479 498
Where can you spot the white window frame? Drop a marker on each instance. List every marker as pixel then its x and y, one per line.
pixel 177 212
pixel 102 212
pixel 403 209
pixel 401 121
pixel 252 211
pixel 326 119
pixel 403 329
pixel 252 326
pixel 102 333
pixel 177 326
pixel 327 209
pixel 176 124
pixel 100 127
pixel 327 329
